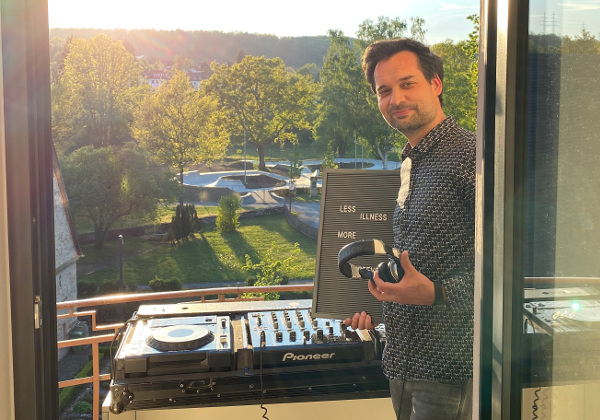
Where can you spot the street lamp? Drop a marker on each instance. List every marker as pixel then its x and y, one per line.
pixel 121 262
pixel 245 163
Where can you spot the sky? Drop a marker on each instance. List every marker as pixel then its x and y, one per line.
pixel 279 17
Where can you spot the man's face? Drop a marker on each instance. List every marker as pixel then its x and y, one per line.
pixel 407 100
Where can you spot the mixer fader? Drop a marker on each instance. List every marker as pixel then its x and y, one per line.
pixel 293 336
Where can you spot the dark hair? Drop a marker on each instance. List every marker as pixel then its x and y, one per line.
pixel 429 63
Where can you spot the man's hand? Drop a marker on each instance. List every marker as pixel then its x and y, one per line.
pixel 360 321
pixel 413 289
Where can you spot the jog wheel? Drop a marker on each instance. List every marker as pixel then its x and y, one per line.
pixel 180 337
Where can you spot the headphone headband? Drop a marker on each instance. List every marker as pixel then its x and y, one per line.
pixel 358 248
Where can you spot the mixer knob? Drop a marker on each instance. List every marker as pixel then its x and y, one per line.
pixel 223 322
pixel 315 323
pixel 306 335
pixel 259 321
pixel 320 334
pixel 292 335
pixel 330 330
pixel 327 323
pixel 279 336
pixel 275 324
pixel 288 323
pixel 347 334
pixel 301 323
pixel 343 326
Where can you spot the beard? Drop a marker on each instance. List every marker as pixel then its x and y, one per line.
pixel 414 122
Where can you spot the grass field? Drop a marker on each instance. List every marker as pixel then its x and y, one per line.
pixel 164 215
pixel 209 257
pixel 306 198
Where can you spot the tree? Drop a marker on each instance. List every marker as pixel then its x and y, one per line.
pixel 100 90
pixel 106 185
pixel 386 28
pixel 585 43
pixel 227 217
pixel 343 94
pixel 261 96
pixel 328 159
pixel 180 126
pixel 295 163
pixel 311 70
pixel 240 56
pixel 184 223
pixel 460 79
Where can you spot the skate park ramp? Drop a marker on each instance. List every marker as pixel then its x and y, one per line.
pixel 268 198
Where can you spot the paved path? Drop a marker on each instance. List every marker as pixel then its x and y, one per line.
pixel 213 179
pixel 307 213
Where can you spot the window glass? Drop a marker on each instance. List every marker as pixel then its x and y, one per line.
pixel 190 149
pixel 562 223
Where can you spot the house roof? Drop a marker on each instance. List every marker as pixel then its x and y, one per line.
pixel 65 202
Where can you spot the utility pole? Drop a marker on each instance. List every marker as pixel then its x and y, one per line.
pixel 120 313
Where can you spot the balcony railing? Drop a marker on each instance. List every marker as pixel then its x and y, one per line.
pixel 96 340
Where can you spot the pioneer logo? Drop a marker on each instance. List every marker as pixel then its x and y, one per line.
pixel 293 357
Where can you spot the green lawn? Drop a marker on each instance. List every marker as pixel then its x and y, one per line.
pixel 164 214
pixel 306 198
pixel 209 257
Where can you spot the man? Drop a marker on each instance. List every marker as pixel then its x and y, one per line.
pixel 428 315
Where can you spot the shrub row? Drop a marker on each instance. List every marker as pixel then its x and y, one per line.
pixel 68 394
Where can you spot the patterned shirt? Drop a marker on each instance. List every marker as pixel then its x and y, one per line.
pixel 434 221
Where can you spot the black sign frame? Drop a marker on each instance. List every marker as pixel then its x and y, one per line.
pixel 356 204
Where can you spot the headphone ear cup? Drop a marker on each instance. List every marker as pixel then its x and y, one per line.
pixel 385 274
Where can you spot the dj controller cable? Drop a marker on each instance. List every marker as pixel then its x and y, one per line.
pixel 262 391
pixel 534 406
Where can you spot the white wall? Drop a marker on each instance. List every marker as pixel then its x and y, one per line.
pixel 380 409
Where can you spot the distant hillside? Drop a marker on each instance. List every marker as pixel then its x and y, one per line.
pixel 211 46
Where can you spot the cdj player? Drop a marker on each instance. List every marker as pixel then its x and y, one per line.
pixel 166 346
pixel 242 353
pixel 561 336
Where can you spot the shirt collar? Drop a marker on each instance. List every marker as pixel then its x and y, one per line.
pixel 432 138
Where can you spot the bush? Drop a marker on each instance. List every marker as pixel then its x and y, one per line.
pixel 109 286
pixel 132 285
pixel 83 407
pixel 227 217
pixel 250 281
pixel 184 223
pixel 165 285
pixel 68 394
pixel 86 288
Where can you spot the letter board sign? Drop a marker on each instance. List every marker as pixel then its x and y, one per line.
pixel 355 205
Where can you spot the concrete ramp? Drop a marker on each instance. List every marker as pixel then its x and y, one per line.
pixel 262 197
pixel 234 185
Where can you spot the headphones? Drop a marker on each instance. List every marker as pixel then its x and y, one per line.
pixel 390 272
